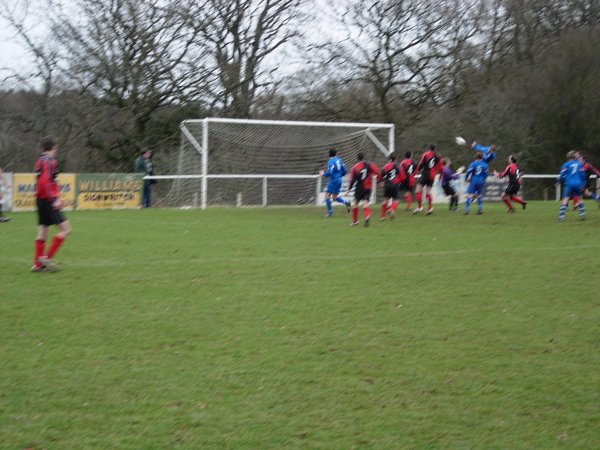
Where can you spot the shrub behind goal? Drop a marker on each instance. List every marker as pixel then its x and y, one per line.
pixel 265 162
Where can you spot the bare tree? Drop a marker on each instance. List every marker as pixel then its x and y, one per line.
pixel 242 35
pixel 130 59
pixel 403 50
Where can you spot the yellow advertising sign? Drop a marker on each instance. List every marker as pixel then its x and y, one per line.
pixel 108 191
pixel 24 185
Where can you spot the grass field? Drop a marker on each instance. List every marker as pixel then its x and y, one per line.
pixel 279 329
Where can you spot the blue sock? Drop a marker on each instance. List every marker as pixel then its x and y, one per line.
pixel 479 204
pixel 468 204
pixel 581 209
pixel 593 196
pixel 562 211
pixel 329 207
pixel 340 200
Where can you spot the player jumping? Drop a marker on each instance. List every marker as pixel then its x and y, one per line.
pixel 391 176
pixel 489 151
pixel 361 175
pixel 335 171
pixel 572 176
pixel 49 207
pixel 514 184
pixel 429 166
pixel 476 175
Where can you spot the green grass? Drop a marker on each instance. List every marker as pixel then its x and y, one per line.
pixel 278 328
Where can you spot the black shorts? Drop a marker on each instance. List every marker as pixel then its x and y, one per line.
pixel 512 189
pixel 425 180
pixel 405 187
pixel 390 191
pixel 362 194
pixel 47 215
pixel 448 190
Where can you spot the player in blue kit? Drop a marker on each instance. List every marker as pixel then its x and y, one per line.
pixel 335 171
pixel 476 175
pixel 489 151
pixel 572 176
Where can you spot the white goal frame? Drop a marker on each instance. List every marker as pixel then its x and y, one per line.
pixel 203 150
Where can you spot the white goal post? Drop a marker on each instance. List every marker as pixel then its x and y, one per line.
pixel 265 162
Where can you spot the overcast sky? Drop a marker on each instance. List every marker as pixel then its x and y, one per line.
pixel 14 56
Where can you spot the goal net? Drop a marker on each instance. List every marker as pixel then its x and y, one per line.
pixel 265 162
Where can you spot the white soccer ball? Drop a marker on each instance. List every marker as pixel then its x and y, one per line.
pixel 460 140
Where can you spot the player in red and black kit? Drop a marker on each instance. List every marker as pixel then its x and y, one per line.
pixel 361 175
pixel 49 206
pixel 391 179
pixel 407 178
pixel 589 189
pixel 429 166
pixel 514 184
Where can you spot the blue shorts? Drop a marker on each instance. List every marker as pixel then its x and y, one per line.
pixel 334 187
pixel 475 187
pixel 571 191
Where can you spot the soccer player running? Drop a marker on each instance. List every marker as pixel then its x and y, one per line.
pixel 476 175
pixel 335 171
pixel 391 188
pixel 489 151
pixel 514 184
pixel 448 175
pixel 49 207
pixel 407 178
pixel 572 176
pixel 429 166
pixel 361 175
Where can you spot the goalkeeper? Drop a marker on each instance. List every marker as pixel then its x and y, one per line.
pixel 335 171
pixel 489 151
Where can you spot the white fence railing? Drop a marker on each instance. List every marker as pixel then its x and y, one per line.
pixel 319 184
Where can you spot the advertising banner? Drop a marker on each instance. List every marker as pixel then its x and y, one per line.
pixel 23 191
pixel 109 191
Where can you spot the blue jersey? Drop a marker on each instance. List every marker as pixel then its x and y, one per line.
pixel 335 169
pixel 477 171
pixel 572 174
pixel 487 154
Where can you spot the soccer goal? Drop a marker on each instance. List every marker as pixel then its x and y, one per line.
pixel 265 162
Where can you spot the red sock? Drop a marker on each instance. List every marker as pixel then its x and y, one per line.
pixel 517 199
pixel 429 200
pixel 354 214
pixel 419 199
pixel 508 203
pixel 39 249
pixel 56 243
pixel 408 199
pixel 367 212
pixel 383 209
pixel 395 205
